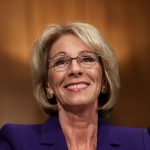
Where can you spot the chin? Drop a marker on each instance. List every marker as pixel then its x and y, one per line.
pixel 79 103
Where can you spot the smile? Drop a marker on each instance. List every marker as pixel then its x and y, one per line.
pixel 76 86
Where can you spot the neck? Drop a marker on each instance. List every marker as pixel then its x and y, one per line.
pixel 80 128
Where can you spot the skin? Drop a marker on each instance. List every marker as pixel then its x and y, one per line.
pixel 78 106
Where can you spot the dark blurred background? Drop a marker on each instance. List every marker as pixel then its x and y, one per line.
pixel 124 23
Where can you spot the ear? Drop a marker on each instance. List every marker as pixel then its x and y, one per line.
pixel 49 91
pixel 104 88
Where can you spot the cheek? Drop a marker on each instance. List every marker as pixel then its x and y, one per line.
pixel 99 73
pixel 54 79
pixel 99 78
pixel 99 82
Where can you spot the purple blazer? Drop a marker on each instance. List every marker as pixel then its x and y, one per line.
pixel 49 136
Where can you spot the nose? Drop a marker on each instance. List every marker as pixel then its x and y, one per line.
pixel 75 69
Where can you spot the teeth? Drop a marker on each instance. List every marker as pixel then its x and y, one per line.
pixel 77 86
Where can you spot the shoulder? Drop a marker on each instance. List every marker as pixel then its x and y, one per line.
pixel 138 138
pixel 19 130
pixel 29 137
pixel 129 132
pixel 14 135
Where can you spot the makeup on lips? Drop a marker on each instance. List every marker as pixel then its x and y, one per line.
pixel 76 86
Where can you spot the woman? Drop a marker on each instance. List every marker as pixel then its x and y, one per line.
pixel 76 82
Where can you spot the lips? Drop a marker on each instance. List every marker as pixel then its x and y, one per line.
pixel 77 86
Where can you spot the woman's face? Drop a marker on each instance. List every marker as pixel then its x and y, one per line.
pixel 75 86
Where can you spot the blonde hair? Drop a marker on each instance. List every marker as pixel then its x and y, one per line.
pixel 92 38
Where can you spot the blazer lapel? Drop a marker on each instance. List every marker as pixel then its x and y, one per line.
pixel 52 134
pixel 107 138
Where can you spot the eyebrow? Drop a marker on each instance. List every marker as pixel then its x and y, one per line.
pixel 60 53
pixel 64 53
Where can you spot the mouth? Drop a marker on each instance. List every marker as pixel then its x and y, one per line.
pixel 76 86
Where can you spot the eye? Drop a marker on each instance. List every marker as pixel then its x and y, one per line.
pixel 60 62
pixel 87 59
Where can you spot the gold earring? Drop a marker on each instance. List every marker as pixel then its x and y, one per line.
pixel 104 89
pixel 49 94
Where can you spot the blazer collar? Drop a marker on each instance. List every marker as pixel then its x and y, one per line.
pixel 52 134
pixel 107 136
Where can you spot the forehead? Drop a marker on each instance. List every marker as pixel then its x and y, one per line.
pixel 69 44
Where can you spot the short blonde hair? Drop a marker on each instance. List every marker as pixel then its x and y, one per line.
pixel 92 38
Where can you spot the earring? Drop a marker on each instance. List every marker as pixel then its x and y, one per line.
pixel 104 89
pixel 49 94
